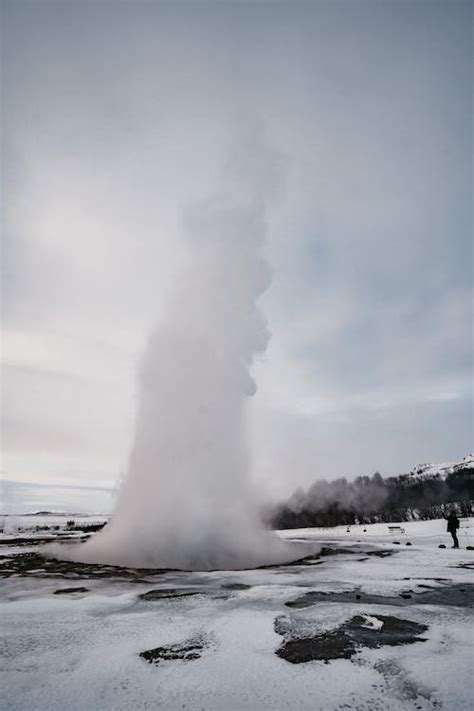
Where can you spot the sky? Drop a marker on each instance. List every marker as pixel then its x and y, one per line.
pixel 116 115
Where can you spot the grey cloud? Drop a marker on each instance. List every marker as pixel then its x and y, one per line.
pixel 115 114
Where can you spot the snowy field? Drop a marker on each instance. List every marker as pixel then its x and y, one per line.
pixel 368 623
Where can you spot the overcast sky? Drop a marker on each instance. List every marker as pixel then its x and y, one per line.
pixel 116 114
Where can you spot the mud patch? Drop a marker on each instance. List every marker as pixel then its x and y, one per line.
pixel 53 538
pixel 164 593
pixel 307 560
pixel 69 591
pixel 370 631
pixel 187 651
pixel 326 551
pixel 458 595
pixel 33 564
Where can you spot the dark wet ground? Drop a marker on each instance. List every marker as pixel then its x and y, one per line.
pixel 344 641
pixel 32 563
pixel 458 595
pixel 35 565
pixel 163 593
pixel 298 646
pixel 39 566
pixel 186 651
pixel 56 538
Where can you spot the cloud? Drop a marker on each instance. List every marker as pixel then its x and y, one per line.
pixel 117 115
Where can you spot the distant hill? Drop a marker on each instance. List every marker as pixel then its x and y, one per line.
pixel 442 471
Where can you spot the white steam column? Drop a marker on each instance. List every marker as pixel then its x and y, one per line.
pixel 187 501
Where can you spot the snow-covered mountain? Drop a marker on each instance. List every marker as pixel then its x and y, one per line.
pixel 441 471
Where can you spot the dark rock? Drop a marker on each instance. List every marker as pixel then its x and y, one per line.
pixel 441 545
pixel 235 586
pixel 408 543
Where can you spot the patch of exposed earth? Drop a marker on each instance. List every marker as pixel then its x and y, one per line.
pixel 70 591
pixel 166 593
pixel 39 566
pixel 186 651
pixel 345 641
pixel 38 541
pixel 457 595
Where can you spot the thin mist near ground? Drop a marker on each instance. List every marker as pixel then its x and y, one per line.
pixel 187 500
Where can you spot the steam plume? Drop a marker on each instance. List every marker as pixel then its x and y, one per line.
pixel 187 501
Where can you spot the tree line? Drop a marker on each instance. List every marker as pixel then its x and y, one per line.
pixel 372 499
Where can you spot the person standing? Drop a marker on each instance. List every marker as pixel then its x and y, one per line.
pixel 453 525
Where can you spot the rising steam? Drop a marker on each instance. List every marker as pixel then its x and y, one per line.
pixel 187 501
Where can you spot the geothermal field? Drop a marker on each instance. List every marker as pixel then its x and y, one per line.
pixel 184 600
pixel 365 621
pixel 237 303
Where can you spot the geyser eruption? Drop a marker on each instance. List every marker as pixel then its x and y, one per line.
pixel 187 501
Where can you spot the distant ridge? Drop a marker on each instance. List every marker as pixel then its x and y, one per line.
pixel 441 471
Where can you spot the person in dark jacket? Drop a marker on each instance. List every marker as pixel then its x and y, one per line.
pixel 453 525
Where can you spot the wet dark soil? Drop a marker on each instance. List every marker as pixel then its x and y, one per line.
pixel 186 652
pixel 315 558
pixel 307 560
pixel 67 591
pixel 163 593
pixel 456 595
pixel 56 538
pixel 381 554
pixel 33 564
pixel 346 640
pixel 356 551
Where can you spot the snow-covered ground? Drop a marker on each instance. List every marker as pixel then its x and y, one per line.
pixel 215 635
